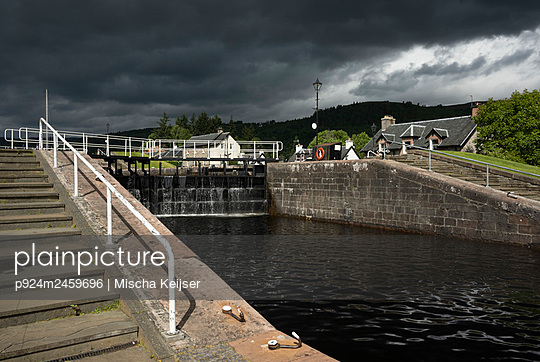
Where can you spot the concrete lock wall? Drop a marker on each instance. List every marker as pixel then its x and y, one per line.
pixel 391 195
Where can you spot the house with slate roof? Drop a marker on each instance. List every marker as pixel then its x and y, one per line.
pixel 450 134
pixel 212 145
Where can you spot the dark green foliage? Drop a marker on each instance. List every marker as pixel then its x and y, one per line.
pixel 204 124
pixel 330 136
pixel 510 128
pixel 164 128
pixel 184 128
pixel 360 140
pixel 248 133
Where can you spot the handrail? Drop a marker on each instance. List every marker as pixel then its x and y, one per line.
pixel 487 164
pixel 113 190
pixel 148 147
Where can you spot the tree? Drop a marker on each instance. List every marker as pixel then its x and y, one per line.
pixel 248 133
pixel 360 140
pixel 510 128
pixel 204 124
pixel 164 128
pixel 330 136
pixel 182 122
pixel 231 128
pixel 180 133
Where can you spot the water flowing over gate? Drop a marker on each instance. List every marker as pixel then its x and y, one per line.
pixel 212 191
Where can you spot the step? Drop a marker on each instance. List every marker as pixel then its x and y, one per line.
pixel 25 185
pixel 39 305
pixel 5 179
pixel 27 196
pixel 15 153
pixel 31 208
pixel 20 173
pixel 17 222
pixel 19 159
pixel 16 164
pixel 67 336
pixel 10 245
pixel 65 231
pixel 46 273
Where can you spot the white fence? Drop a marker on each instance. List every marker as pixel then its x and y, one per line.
pixel 26 137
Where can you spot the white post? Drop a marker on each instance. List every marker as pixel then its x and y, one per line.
pixel 159 149
pixel 429 160
pixel 64 144
pixel 487 175
pixel 55 152
pixel 40 135
pixel 108 149
pixel 47 117
pixel 172 297
pixel 75 175
pixel 109 217
pixel 130 147
pixel 26 137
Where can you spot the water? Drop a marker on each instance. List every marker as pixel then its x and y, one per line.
pixel 364 294
pixel 198 195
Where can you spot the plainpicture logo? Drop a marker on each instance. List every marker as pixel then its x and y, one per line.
pixel 83 259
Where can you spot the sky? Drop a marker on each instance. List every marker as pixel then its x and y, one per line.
pixel 124 63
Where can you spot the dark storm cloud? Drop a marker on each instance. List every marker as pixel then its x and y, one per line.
pixel 102 58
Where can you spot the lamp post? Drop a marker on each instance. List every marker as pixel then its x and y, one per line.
pixel 317 85
pixel 373 129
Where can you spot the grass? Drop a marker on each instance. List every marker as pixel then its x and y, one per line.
pixel 154 164
pixel 497 161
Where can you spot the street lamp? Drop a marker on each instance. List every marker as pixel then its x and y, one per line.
pixel 373 128
pixel 317 85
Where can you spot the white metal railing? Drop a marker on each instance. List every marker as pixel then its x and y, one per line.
pixel 56 136
pixel 185 149
pixel 487 164
pixel 161 148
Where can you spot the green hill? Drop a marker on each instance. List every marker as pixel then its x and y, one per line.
pixel 352 118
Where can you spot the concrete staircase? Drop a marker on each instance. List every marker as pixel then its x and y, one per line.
pixel 519 185
pixel 48 322
pixel 29 204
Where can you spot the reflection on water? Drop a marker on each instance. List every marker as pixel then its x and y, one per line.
pixel 358 293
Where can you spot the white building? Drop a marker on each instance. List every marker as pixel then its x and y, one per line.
pixel 211 146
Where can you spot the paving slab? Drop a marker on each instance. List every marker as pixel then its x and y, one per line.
pixel 60 333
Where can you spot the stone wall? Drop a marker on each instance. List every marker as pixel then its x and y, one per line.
pixel 391 195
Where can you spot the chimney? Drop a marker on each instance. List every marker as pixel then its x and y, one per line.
pixel 298 148
pixel 474 112
pixel 386 122
pixel 220 130
pixel 348 144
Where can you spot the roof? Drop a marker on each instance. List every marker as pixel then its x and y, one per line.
pixel 345 151
pixel 414 131
pixel 455 132
pixel 306 151
pixel 219 136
